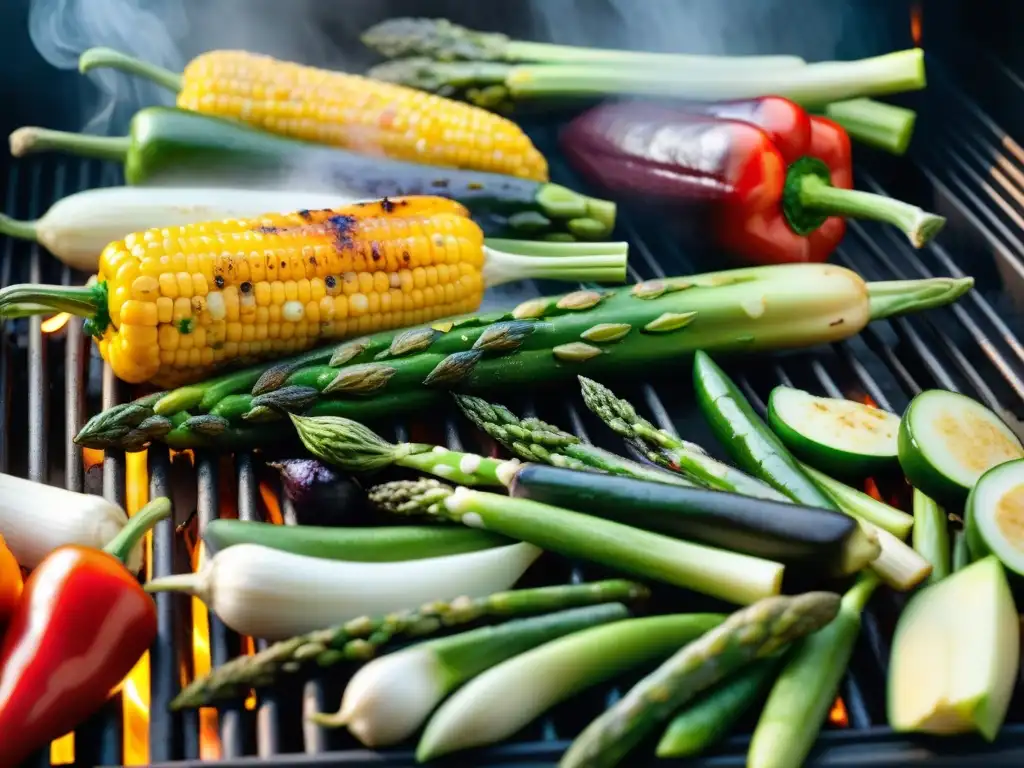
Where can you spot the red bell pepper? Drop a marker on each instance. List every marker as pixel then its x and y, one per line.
pixel 81 625
pixel 773 183
pixel 11 583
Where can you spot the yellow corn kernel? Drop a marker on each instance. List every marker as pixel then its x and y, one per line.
pixel 145 288
pixel 182 310
pixel 135 312
pixel 184 280
pixel 168 337
pixel 164 309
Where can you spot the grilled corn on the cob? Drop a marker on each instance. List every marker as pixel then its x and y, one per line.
pixel 341 109
pixel 172 304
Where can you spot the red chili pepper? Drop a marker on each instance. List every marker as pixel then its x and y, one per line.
pixel 81 625
pixel 773 183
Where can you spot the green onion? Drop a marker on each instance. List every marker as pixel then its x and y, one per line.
pixel 861 505
pixel 730 576
pixel 507 697
pixel 931 535
pixel 875 123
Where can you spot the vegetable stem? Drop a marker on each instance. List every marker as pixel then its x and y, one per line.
pixel 97 58
pixel 89 302
pixel 138 525
pixel 727 575
pixel 891 298
pixel 23 230
pixel 29 140
pixel 931 535
pixel 556 261
pixel 875 123
pixel 818 195
pixel 860 505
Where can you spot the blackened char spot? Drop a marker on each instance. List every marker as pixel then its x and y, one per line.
pixel 283 263
pixel 330 281
pixel 245 287
pixel 406 257
pixel 386 205
pixel 375 250
pixel 840 321
pixel 219 280
pixel 267 230
pixel 306 215
pixel 312 260
pixel 340 227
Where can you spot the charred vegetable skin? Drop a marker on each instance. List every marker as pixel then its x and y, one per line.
pixel 773 183
pixel 176 304
pixel 790 534
pixel 542 339
pixel 166 145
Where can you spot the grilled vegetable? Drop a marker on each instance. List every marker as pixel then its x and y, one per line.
pixel 992 515
pixel 726 575
pixel 787 533
pixel 169 146
pixel 841 437
pixel 897 564
pixel 507 697
pixel 359 639
pixel 353 447
pixel 78 227
pixel 263 592
pixel 955 655
pixel 931 535
pixel 36 519
pixel 173 305
pixel 749 634
pixel 11 583
pixel 442 40
pixel 490 83
pixel 860 505
pixel 390 698
pixel 340 109
pixel 961 551
pixel 536 440
pixel 877 124
pixel 763 202
pixel 668 450
pixel 540 340
pixel 80 607
pixel 802 695
pixel 319 495
pixel 709 719
pixel 369 545
pixel 947 441
pixel 747 438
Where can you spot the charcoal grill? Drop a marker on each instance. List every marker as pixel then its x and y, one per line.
pixel 965 163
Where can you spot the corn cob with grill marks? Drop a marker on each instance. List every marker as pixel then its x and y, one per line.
pixel 174 304
pixel 342 110
pixel 585 332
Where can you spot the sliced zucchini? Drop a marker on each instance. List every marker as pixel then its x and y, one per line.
pixel 840 437
pixel 995 516
pixel 948 441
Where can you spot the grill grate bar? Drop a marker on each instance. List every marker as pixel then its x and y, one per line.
pixel 164 726
pixel 38 378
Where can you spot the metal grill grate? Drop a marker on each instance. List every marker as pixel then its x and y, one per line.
pixel 965 167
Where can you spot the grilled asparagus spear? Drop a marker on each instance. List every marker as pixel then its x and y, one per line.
pixel 658 321
pixel 751 633
pixel 360 639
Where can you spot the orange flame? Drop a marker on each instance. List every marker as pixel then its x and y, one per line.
pixel 91 457
pixel 55 323
pixel 837 715
pixel 135 692
pixel 915 24
pixel 271 504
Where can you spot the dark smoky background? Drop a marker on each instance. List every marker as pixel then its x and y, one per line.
pixel 40 40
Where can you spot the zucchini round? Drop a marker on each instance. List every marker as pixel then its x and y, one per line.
pixel 948 441
pixel 994 514
pixel 839 437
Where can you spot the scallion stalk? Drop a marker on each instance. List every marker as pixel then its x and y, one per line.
pixel 862 506
pixel 931 535
pixel 730 576
pixel 875 123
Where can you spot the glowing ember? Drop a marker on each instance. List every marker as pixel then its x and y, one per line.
pixel 915 23
pixel 837 715
pixel 55 323
pixel 62 751
pixel 91 457
pixel 271 504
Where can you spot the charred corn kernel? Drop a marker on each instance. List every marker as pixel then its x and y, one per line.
pixel 353 111
pixel 184 299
